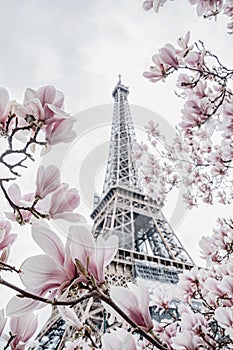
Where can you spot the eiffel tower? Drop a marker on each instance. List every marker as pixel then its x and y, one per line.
pixel 149 249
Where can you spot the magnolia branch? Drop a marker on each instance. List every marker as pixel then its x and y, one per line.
pixel 6 267
pixel 12 336
pixel 18 208
pixel 96 293
pixel 31 127
pixel 25 294
pixel 154 341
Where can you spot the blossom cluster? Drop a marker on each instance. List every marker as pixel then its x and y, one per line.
pixel 21 331
pixel 201 315
pixel 205 8
pixel 200 157
pixel 79 264
pixel 51 199
pixel 49 274
pixel 218 247
pixel 42 112
pixel 39 122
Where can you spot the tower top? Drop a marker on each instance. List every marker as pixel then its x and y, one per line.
pixel 121 168
pixel 123 89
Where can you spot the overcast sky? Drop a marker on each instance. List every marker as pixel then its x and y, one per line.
pixel 81 46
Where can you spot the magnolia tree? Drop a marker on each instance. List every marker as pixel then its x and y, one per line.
pixel 205 8
pixel 200 314
pixel 201 155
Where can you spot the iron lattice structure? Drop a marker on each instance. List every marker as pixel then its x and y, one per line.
pixel 121 170
pixel 149 249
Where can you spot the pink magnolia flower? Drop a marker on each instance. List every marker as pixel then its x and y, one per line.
pixel 168 55
pixel 160 299
pixel 20 200
pixel 218 169
pixel 49 274
pixel 226 284
pixel 186 340
pixel 195 323
pixel 195 112
pixel 152 129
pixel 4 105
pixel 183 44
pixel 20 111
pixel 212 291
pixel 208 249
pixel 46 95
pixel 155 4
pixel 194 59
pixel 94 254
pixel 47 180
pixel 157 72
pixel 47 114
pixel 225 268
pixel 34 107
pixel 224 316
pixel 52 271
pixel 63 202
pixel 59 205
pixel 189 199
pixel 15 195
pixel 6 238
pixel 23 328
pixel 207 7
pixel 184 81
pixel 54 114
pixel 168 332
pixel 45 104
pixel 118 339
pixel 215 156
pixel 60 131
pixel 200 91
pixel 189 280
pixel 134 301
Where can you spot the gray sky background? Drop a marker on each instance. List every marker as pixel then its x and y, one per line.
pixel 81 47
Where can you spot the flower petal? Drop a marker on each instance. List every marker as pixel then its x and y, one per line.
pixel 24 327
pixel 82 243
pixel 42 271
pixel 48 241
pixel 47 180
pixel 17 307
